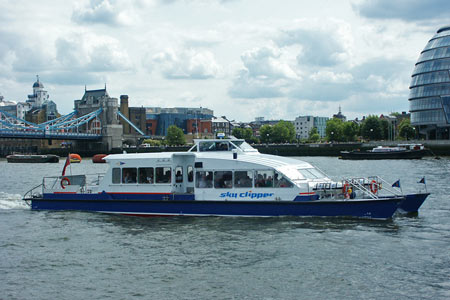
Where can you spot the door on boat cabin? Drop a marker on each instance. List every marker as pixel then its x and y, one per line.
pixel 183 173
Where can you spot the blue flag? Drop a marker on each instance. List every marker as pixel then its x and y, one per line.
pixel 422 180
pixel 396 184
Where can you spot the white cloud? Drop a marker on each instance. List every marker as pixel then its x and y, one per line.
pixel 267 63
pixel 265 74
pixel 108 12
pixel 276 61
pixel 186 64
pixel 94 53
pixel 408 10
pixel 329 76
pixel 322 44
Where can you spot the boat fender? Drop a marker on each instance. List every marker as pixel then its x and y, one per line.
pixel 374 187
pixel 63 180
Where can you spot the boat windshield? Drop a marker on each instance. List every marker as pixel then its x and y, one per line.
pixel 243 145
pixel 222 145
pixel 214 146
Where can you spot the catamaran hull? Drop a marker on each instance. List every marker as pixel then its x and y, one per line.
pixel 412 202
pixel 371 209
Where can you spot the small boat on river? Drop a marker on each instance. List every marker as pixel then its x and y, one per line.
pixel 32 158
pixel 223 177
pixel 402 151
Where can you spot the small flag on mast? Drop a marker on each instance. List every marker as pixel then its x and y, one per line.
pixel 66 164
pixel 422 180
pixel 396 184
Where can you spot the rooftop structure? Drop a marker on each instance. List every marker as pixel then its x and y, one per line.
pixel 339 115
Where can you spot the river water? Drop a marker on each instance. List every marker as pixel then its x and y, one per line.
pixel 77 255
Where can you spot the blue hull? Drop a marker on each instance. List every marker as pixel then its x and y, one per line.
pixel 139 206
pixel 412 202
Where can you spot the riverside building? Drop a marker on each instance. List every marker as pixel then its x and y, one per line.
pixel 429 97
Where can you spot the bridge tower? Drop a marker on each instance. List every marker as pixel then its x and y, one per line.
pixel 126 112
pixel 111 128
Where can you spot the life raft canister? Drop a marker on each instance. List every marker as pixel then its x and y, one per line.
pixel 63 180
pixel 374 186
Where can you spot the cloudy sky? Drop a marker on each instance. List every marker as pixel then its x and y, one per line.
pixel 241 58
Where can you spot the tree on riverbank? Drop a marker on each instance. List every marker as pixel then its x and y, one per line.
pixel 406 130
pixel 340 131
pixel 282 132
pixel 244 133
pixel 371 128
pixel 175 136
pixel 314 136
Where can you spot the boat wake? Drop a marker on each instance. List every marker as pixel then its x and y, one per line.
pixel 12 201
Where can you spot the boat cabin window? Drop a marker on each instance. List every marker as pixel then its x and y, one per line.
pixel 163 175
pixel 214 146
pixel 129 175
pixel 223 179
pixel 178 174
pixel 116 175
pixel 204 179
pixel 243 178
pixel 281 182
pixel 190 173
pixel 146 175
pixel 264 178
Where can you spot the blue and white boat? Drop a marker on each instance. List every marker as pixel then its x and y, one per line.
pixel 223 177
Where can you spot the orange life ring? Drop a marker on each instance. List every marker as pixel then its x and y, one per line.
pixel 373 187
pixel 345 188
pixel 65 179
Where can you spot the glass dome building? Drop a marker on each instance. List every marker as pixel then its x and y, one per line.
pixel 429 97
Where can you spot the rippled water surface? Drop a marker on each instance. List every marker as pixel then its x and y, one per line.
pixel 76 255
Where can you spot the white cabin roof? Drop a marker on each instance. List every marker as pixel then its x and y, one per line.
pixel 267 160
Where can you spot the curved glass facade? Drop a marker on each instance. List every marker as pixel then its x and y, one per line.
pixel 429 97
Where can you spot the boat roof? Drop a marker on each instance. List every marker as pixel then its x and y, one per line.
pixel 268 160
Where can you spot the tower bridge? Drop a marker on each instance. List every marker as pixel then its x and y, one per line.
pixel 66 127
pixel 93 125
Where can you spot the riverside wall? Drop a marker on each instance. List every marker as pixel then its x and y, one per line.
pixel 440 148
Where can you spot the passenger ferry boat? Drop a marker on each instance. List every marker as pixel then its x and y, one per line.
pixel 223 177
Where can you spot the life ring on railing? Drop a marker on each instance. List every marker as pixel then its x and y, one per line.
pixel 65 179
pixel 374 187
pixel 345 188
